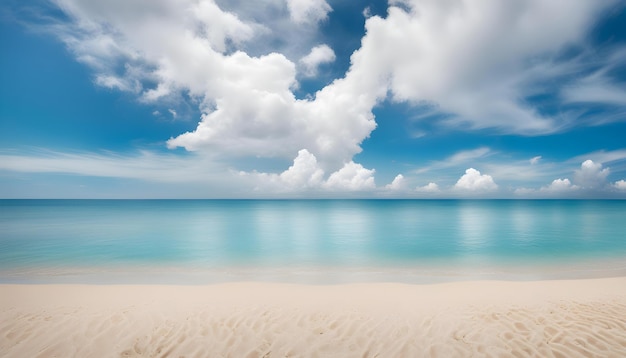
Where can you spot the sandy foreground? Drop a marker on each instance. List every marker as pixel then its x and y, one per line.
pixel 572 318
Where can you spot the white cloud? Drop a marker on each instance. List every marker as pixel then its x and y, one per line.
pixel 304 173
pixel 535 160
pixel 398 183
pixel 590 179
pixel 428 188
pixel 476 60
pixel 596 91
pixel 472 180
pixel 467 155
pixel 308 11
pixel 113 82
pixel 352 177
pixel 591 175
pixel 598 87
pixel 319 55
pixel 509 170
pixel 247 102
pixel 218 27
pixel 173 113
pixel 304 177
pixel 464 57
pixel 559 185
pixel 274 124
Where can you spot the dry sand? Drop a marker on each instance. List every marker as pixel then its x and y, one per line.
pixel 575 318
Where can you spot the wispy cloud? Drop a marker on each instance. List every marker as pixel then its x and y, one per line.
pixel 461 158
pixel 144 165
pixel 477 61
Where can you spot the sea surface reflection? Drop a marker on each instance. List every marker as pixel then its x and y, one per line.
pixel 75 235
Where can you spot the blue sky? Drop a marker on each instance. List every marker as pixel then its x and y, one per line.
pixel 312 98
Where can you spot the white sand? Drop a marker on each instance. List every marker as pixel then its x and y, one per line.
pixel 576 318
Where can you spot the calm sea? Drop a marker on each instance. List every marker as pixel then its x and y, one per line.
pixel 204 241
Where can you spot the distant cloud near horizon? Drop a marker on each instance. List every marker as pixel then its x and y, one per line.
pixel 398 183
pixel 591 175
pixel 472 180
pixel 560 185
pixel 428 188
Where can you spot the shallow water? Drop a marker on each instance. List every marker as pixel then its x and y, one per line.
pixel 288 240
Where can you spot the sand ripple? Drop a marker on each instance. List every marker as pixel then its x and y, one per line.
pixel 319 328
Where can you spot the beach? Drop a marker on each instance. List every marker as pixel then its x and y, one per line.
pixel 312 178
pixel 562 318
pixel 300 278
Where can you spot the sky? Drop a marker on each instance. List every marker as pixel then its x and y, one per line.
pixel 313 99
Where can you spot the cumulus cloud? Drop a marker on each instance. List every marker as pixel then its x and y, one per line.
pixel 559 185
pixel 428 188
pixel 319 55
pixel 464 57
pixel 308 11
pixel 351 177
pixel 398 183
pixel 620 184
pixel 306 174
pixel 591 175
pixel 472 180
pixel 170 49
pixel 590 178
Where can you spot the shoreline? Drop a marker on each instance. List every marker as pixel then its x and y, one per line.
pixel 429 272
pixel 543 318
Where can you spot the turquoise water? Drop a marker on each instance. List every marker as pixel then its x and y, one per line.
pixel 221 240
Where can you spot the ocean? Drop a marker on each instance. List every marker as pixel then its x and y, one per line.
pixel 308 241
